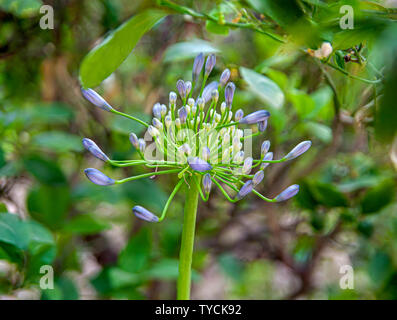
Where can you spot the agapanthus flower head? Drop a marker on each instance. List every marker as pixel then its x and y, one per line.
pixel 199 139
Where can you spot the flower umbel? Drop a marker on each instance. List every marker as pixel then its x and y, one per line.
pixel 198 138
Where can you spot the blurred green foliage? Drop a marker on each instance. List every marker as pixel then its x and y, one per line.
pixel 345 212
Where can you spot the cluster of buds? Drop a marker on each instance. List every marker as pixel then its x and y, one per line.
pixel 202 141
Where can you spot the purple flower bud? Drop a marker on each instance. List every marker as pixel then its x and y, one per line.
pixel 224 77
pixel 208 90
pixel 245 189
pixel 144 214
pixel 94 149
pixel 215 95
pixel 96 99
pixel 163 110
pixel 134 140
pixel 172 97
pixel 258 177
pixel 255 117
pixel 200 103
pixel 198 164
pixel 298 150
pixel 197 66
pixel 265 147
pixel 157 123
pixel 268 156
pixel 97 177
pixel 185 148
pixel 207 183
pixel 238 115
pixel 142 145
pixel 182 113
pixel 247 166
pixel 209 64
pixel 288 193
pixel 229 93
pixel 157 110
pixel 188 87
pixel 262 125
pixel 180 85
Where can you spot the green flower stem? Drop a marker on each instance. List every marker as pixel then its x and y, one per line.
pixel 177 187
pixel 145 175
pixel 129 117
pixel 186 253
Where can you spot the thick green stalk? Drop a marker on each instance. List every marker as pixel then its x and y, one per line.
pixel 186 253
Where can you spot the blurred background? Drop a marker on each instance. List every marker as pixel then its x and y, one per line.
pixel 344 215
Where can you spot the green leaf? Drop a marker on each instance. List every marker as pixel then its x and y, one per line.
pixel 13 231
pixel 44 170
pixel 166 269
pixel 85 224
pixel 380 268
pixel 264 88
pixel 328 195
pixel 58 141
pixel 216 28
pixel 378 197
pixel 113 278
pixel 109 55
pixel 21 8
pixel 187 50
pixel 319 130
pixel 135 255
pixel 231 266
pixel 302 102
pixel 49 204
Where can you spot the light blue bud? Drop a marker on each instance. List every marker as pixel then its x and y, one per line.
pixel 265 147
pixel 238 115
pixel 198 164
pixel 258 177
pixel 180 85
pixel 182 113
pixel 209 64
pixel 206 153
pixel 245 189
pixel 207 183
pixel 188 87
pixel 229 93
pixel 298 150
pixel 255 117
pixel 94 149
pixel 144 214
pixel 197 66
pixel 142 145
pixel 247 166
pixel 134 140
pixel 97 177
pixel 173 97
pixel 157 110
pixel 262 125
pixel 224 77
pixel 208 90
pixel 268 156
pixel 96 99
pixel 288 193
